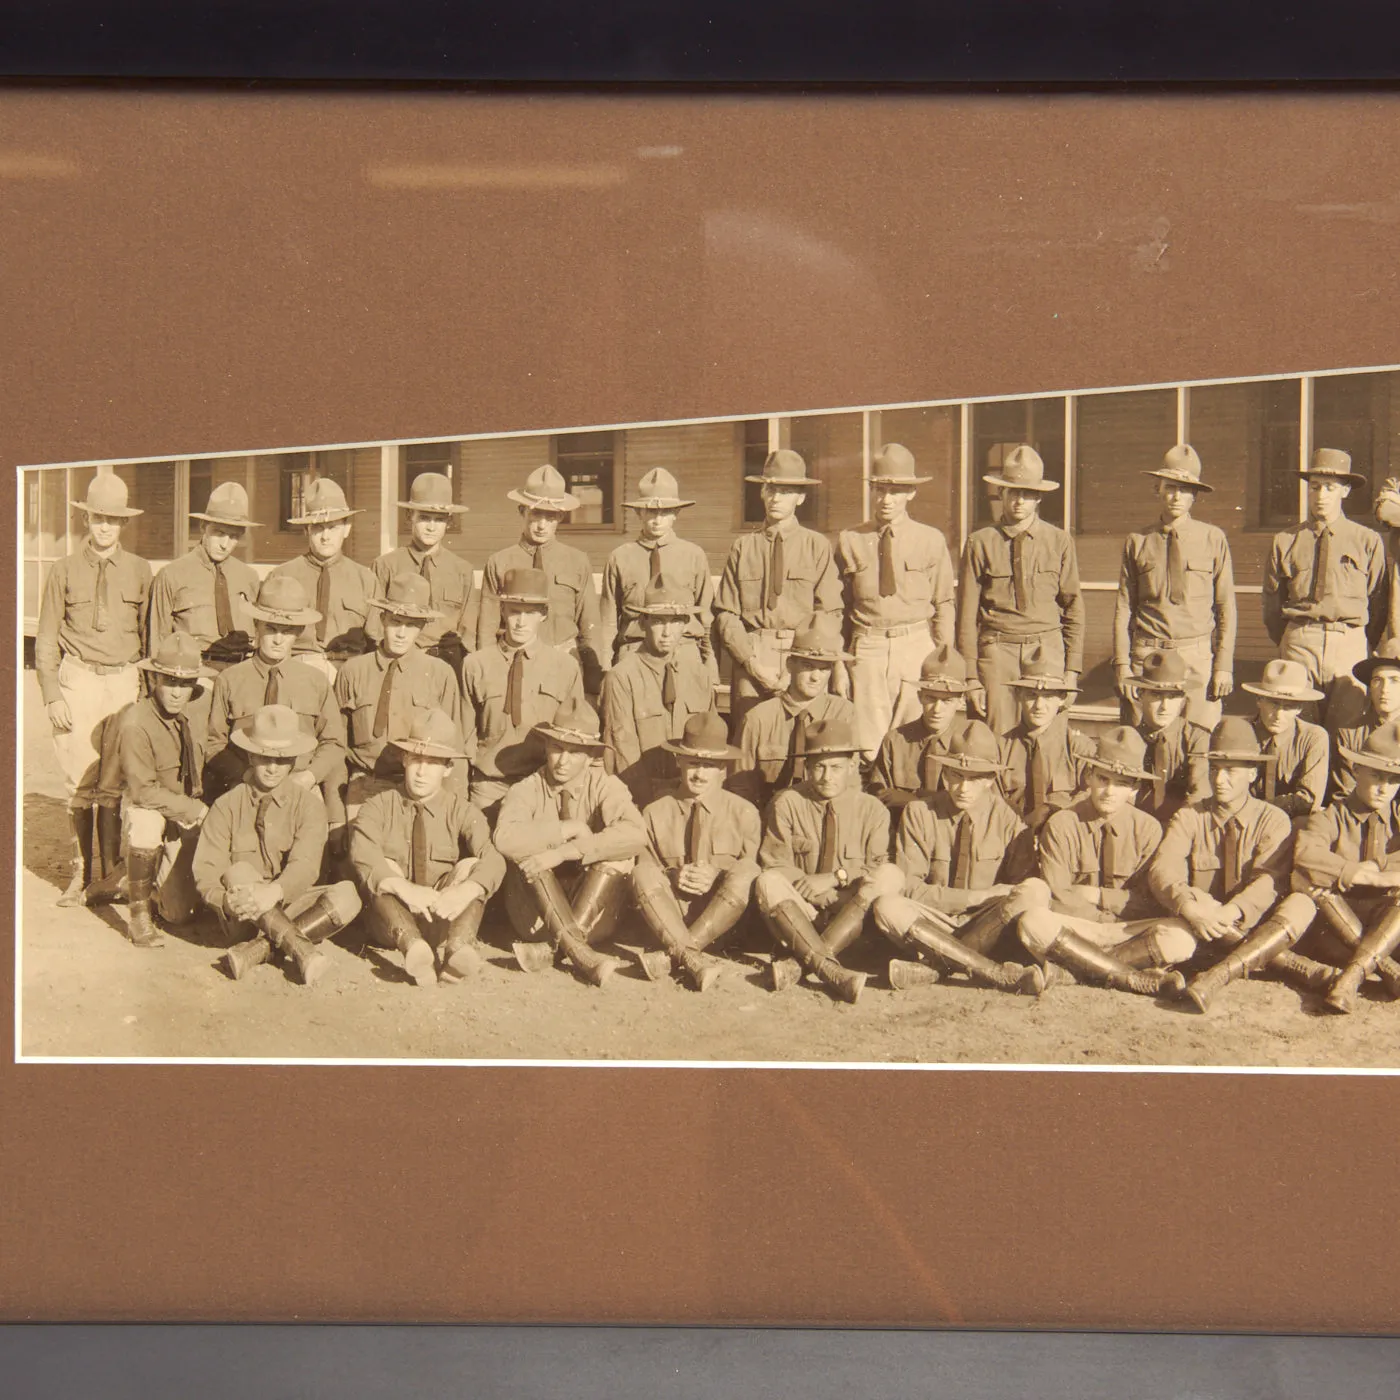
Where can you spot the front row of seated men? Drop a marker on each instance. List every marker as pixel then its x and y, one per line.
pixel 1100 894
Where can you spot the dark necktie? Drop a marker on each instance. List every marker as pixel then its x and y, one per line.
pixel 323 601
pixel 962 853
pixel 273 689
pixel 932 766
pixel 826 861
pixel 223 609
pixel 515 688
pixel 380 729
pixel 1159 770
pixel 655 574
pixel 260 827
pixel 777 571
pixel 1374 849
pixel 1039 775
pixel 566 805
pixel 797 746
pixel 1020 572
pixel 1322 558
pixel 537 557
pixel 887 588
pixel 418 849
pixel 1270 768
pixel 1108 859
pixel 692 835
pixel 187 760
pixel 1230 857
pixel 100 606
pixel 668 684
pixel 1176 568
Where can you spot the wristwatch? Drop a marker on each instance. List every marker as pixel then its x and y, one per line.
pixel 842 879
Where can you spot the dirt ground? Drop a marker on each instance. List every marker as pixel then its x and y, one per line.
pixel 87 992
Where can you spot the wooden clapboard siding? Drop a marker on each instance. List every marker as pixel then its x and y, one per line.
pixel 490 468
pixel 361 482
pixel 934 436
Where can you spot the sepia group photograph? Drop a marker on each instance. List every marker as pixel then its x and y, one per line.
pixel 1060 729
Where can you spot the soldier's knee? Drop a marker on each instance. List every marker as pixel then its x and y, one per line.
pixel 145 828
pixel 893 914
pixel 1038 929
pixel 648 875
pixel 1297 910
pixel 769 889
pixel 1033 893
pixel 1175 944
pixel 343 901
pixel 887 879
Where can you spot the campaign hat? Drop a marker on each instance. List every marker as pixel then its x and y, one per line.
pixel 1387 654
pixel 1182 464
pixel 545 489
pixel 831 736
pixel 1022 470
pixel 274 731
pixel 1381 751
pixel 282 599
pixel 1332 462
pixel 432 492
pixel 576 726
pixel 975 751
pixel 658 490
pixel 322 503
pixel 1121 751
pixel 433 734
pixel 893 465
pixel 178 656
pixel 1233 740
pixel 227 505
pixel 704 736
pixel 818 642
pixel 407 595
pixel 1041 675
pixel 106 495
pixel 1164 671
pixel 784 468
pixel 661 600
pixel 944 672
pixel 1286 681
pixel 525 586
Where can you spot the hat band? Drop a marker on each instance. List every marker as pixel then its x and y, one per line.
pixel 576 736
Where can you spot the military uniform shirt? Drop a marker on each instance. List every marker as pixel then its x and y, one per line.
pixel 383 832
pixel 451 581
pixel 1192 857
pixel 498 748
pixel 1178 753
pixel 1064 751
pixel 926 850
pixel 182 598
pixel 1300 777
pixel 573 600
pixel 343 626
pixel 421 683
pixel 909 763
pixel 1072 858
pixel 529 819
pixel 1356 578
pixel 987 589
pixel 685 568
pixel 766 742
pixel 792 833
pixel 1332 844
pixel 1207 605
pixel 152 770
pixel 1351 737
pixel 288 849
pixel 729 830
pixel 811 585
pixel 636 722
pixel 923 574
pixel 68 613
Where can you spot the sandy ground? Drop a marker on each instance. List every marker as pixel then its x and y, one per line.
pixel 87 992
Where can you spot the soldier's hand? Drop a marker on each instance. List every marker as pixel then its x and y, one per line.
pixel 534 866
pixel 60 716
pixel 1072 679
pixel 449 903
pixel 415 898
pixel 841 681
pixel 189 823
pixel 977 702
pixel 1222 683
pixel 1124 684
pixel 765 676
pixel 698 878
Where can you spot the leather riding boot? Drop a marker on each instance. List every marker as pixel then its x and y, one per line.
pixel 724 910
pixel 1374 946
pixel 399 929
pixel 796 931
pixel 1007 977
pixel 320 922
pixel 598 900
pixel 108 870
pixel 1345 923
pixel 460 953
pixel 661 911
pixel 904 974
pixel 1142 951
pixel 141 867
pixel 845 926
pixel 558 916
pixel 1087 959
pixel 983 929
pixel 1306 974
pixel 242 958
pixel 1271 938
pixel 303 956
pixel 80 828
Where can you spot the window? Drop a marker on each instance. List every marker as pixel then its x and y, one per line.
pixel 439 457
pixel 934 436
pixel 997 428
pixel 1360 414
pixel 833 446
pixel 588 464
pixel 752 458
pixel 1118 437
pixel 295 472
pixel 201 483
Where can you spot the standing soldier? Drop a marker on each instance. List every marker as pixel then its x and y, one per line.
pixel 1325 589
pixel 92 619
pixel 259 854
pixel 657 553
pixel 692 884
pixel 1018 596
pixel 1042 757
pixel 650 693
pixel 573 621
pixel 899 596
pixel 341 588
pixel 1176 745
pixel 450 577
pixel 162 756
pixel 1295 752
pixel 910 761
pixel 512 686
pixel 1176 592
pixel 775 580
pixel 382 693
pixel 1379 675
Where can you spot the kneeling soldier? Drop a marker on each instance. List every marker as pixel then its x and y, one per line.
pixel 1295 773
pixel 424 859
pixel 910 761
pixel 1176 745
pixel 967 864
pixel 1222 866
pixel 259 854
pixel 1103 923
pixel 1042 758
pixel 568 814
pixel 825 863
pixel 1380 674
pixel 1349 856
pixel 693 884
pixel 162 756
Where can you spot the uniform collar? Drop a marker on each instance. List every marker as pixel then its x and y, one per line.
pixel 318 563
pixel 656 544
pixel 783 528
pixel 94 558
pixel 279 796
pixel 1011 531
pixel 529 546
pixel 795 707
pixel 419 555
pixel 509 651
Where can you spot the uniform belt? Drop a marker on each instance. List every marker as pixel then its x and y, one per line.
pixel 1326 626
pixel 1018 638
pixel 1170 643
pixel 904 629
pixel 97 668
pixel 781 633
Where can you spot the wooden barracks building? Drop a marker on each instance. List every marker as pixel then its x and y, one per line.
pixel 1252 435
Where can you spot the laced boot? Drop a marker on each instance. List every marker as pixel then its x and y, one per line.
pixel 904 974
pixel 1273 937
pixel 108 886
pixel 1348 928
pixel 460 954
pixel 796 931
pixel 141 867
pixel 80 828
pixel 239 960
pixel 1087 959
pixel 1368 952
pixel 303 956
pixel 661 911
pixel 1006 977
pixel 558 916
pixel 400 931
pixel 1306 974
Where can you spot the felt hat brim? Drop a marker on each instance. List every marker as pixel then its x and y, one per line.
pixel 303 617
pixel 659 503
pixel 392 609
pixel 1364 670
pixel 426 748
pixel 1354 478
pixel 304 744
pixel 1236 756
pixel 1181 479
pixel 942 685
pixel 1300 697
pixel 1119 770
pixel 1160 687
pixel 1389 766
pixel 825 658
pixel 199 677
pixel 1044 487
pixel 973 767
pixel 429 508
pixel 1038 687
pixel 900 480
pixel 571 738
pixel 564 503
pixel 533 600
pixel 727 754
pixel 799 481
pixel 125 512
pixel 323 517
pixel 238 522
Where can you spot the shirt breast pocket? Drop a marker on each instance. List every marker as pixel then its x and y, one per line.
pixel 1351 576
pixel 443 848
pixel 726 840
pixel 800 585
pixel 1200 580
pixel 653 726
pixel 998 590
pixel 78 590
pixel 750 576
pixel 1205 867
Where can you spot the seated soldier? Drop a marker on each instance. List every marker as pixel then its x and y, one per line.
pixel 424 859
pixel 967 866
pixel 1176 744
pixel 162 756
pixel 573 818
pixel 825 862
pixel 692 884
pixel 1380 674
pixel 1348 859
pixel 651 692
pixel 909 763
pixel 1222 867
pixel 773 737
pixel 381 692
pixel 1103 924
pixel 1295 773
pixel 1042 757
pixel 270 677
pixel 514 683
pixel 259 855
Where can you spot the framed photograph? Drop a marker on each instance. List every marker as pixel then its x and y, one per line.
pixel 392 450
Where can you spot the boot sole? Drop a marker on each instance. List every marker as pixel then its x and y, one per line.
pixel 464 962
pixel 313 969
pixel 533 957
pixel 786 972
pixel 598 975
pixel 419 964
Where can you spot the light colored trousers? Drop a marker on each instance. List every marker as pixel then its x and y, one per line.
pixel 92 699
pixel 884 680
